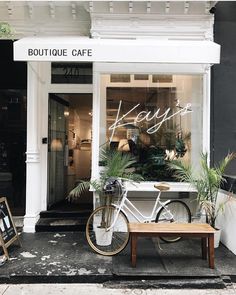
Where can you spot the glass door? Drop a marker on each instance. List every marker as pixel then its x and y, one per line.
pixel 57 149
pixel 69 147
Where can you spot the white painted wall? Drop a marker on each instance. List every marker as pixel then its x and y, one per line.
pixel 226 220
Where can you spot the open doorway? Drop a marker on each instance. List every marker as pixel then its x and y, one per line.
pixel 69 148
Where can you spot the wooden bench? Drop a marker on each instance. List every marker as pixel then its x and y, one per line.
pixel 190 230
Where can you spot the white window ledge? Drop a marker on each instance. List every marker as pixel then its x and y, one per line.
pixel 148 186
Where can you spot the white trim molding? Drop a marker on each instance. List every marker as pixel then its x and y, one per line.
pixel 33 171
pixel 172 27
pixel 144 68
pixel 29 223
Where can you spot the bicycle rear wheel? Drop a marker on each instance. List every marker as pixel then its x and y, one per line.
pixel 181 214
pixel 103 241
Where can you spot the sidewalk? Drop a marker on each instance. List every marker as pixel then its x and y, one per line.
pixel 67 258
pixel 98 289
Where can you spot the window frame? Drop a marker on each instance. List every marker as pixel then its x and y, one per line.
pixel 99 105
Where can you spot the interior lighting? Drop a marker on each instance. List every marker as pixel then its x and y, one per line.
pixel 56 145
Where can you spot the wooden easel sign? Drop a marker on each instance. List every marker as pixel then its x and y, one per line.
pixel 8 232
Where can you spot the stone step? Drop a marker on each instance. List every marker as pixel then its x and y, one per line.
pixel 61 224
pixel 65 214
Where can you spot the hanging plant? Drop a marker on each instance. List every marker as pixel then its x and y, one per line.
pixel 6 30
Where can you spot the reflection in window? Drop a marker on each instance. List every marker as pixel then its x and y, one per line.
pixel 155 121
pixel 13 147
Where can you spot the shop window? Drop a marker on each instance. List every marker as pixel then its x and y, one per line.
pixel 157 120
pixel 13 103
pixel 71 73
pixel 13 73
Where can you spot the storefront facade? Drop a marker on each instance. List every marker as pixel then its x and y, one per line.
pixel 141 83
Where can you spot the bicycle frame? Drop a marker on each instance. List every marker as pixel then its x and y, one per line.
pixel 133 210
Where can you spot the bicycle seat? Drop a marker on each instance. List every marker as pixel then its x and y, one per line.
pixel 162 186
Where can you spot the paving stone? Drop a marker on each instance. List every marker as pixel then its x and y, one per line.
pixel 67 258
pixel 54 257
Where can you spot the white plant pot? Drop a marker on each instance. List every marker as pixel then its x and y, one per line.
pixel 217 238
pixel 103 237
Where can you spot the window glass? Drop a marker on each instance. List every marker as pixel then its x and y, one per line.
pixel 13 103
pixel 157 118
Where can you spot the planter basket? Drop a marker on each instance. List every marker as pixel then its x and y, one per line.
pixel 217 238
pixel 103 237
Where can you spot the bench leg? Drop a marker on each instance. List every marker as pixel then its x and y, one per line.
pixel 211 251
pixel 204 248
pixel 133 249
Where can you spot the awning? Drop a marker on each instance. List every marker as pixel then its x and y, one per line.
pixel 75 49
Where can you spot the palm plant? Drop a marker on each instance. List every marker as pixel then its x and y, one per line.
pixel 116 166
pixel 206 181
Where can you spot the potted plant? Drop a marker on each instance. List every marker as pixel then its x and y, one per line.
pixel 207 181
pixel 116 166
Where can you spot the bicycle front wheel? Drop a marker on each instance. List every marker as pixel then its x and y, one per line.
pixel 174 211
pixel 104 241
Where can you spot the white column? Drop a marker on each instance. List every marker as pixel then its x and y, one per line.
pixel 206 110
pixel 96 128
pixel 45 75
pixel 95 122
pixel 33 177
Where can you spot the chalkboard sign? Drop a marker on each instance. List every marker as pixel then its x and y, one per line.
pixel 8 232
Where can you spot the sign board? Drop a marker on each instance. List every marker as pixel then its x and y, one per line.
pixel 8 232
pixel 76 49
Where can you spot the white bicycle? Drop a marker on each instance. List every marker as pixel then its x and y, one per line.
pixel 107 229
